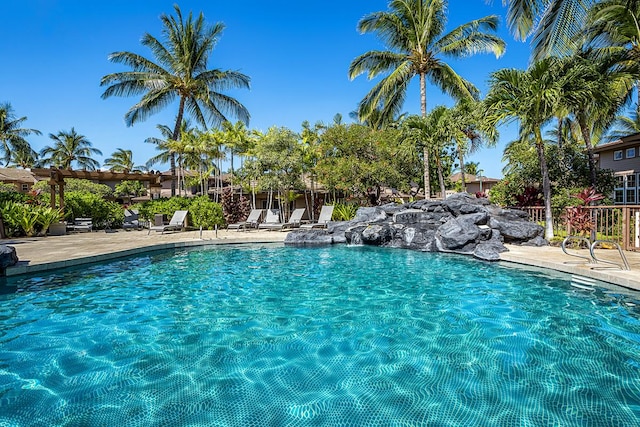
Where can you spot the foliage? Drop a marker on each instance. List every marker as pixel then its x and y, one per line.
pixel 358 161
pixel 69 149
pixel 413 31
pixel 121 160
pixel 579 218
pixel 130 188
pixel 104 213
pixel 530 196
pixel 165 206
pixel 8 192
pixel 77 185
pixel 205 213
pixel 504 192
pixel 12 135
pixel 344 211
pixel 234 210
pixel 25 219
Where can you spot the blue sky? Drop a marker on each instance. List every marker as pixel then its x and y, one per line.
pixel 297 54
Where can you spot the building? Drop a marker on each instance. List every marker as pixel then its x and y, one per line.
pixel 623 157
pixel 22 179
pixel 475 183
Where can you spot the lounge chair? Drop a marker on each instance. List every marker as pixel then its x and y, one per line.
pixel 294 221
pixel 323 219
pixel 131 220
pixel 81 224
pixel 178 222
pixel 272 218
pixel 252 221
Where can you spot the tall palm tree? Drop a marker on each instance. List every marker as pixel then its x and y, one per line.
pixel 530 97
pixel 179 72
pixel 70 148
pixel 414 33
pixel 594 89
pixel 12 135
pixel 121 160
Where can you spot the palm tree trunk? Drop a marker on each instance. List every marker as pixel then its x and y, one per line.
pixel 461 159
pixel 546 186
pixel 423 110
pixel 427 178
pixel 443 189
pixel 586 135
pixel 176 135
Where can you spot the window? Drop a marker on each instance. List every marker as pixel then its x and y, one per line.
pixel 630 196
pixel 619 181
pixel 617 155
pixel 618 196
pixel 631 152
pixel 631 181
pixel 25 187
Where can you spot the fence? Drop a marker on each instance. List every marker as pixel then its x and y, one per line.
pixel 618 223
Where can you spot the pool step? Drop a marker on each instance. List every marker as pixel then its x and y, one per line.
pixel 582 282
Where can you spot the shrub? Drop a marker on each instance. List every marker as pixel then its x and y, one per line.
pixel 165 206
pixel 205 213
pixel 344 211
pixel 90 205
pixel 77 185
pixel 234 210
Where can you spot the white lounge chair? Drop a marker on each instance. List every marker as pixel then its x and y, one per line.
pixel 252 221
pixel 81 224
pixel 294 221
pixel 272 217
pixel 178 222
pixel 323 219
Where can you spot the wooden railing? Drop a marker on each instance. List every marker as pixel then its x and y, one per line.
pixel 618 223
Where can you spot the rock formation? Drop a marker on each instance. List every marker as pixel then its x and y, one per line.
pixel 461 224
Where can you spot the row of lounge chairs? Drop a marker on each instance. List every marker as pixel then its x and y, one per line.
pixel 272 220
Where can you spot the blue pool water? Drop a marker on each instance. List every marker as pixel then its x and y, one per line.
pixel 341 336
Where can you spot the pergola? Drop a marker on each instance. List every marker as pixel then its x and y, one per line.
pixel 57 176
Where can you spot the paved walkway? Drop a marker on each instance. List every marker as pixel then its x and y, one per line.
pixel 45 253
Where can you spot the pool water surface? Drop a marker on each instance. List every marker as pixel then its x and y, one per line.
pixel 267 335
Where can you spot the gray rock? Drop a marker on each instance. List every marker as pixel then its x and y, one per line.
pixel 8 256
pixel 377 234
pixel 486 252
pixel 536 241
pixel 311 237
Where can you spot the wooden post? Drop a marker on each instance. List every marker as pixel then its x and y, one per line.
pixel 625 227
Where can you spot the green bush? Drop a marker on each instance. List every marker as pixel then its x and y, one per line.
pixel 90 205
pixel 205 213
pixel 344 211
pixel 77 185
pixel 165 206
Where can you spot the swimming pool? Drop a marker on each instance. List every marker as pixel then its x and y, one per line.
pixel 271 335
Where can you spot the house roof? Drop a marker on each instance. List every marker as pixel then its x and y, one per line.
pixel 17 175
pixel 468 178
pixel 627 141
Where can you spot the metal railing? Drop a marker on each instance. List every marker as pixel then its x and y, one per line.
pixel 620 224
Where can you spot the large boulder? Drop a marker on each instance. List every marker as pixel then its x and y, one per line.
pixel 8 256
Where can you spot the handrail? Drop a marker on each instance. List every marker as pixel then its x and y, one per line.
pixel 581 239
pixel 624 266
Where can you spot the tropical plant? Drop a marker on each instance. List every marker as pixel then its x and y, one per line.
pixel 12 135
pixel 578 217
pixel 205 213
pixel 121 160
pixel 179 72
pixel 554 25
pixel 234 209
pixel 344 211
pixel 130 189
pixel 413 31
pixel 531 98
pixel 48 216
pixel 70 148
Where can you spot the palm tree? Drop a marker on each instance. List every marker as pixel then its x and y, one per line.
pixel 69 148
pixel 413 31
pixel 12 135
pixel 121 160
pixel 530 97
pixel 180 72
pixel 624 126
pixel 553 24
pixel 24 157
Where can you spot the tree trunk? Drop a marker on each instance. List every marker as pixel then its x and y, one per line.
pixel 461 160
pixel 175 136
pixel 443 189
pixel 423 110
pixel 546 186
pixel 427 178
pixel 586 135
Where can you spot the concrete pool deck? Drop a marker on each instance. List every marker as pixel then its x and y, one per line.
pixel 38 254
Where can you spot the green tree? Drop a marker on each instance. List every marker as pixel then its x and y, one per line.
pixel 413 31
pixel 12 135
pixel 180 71
pixel 121 160
pixel 530 97
pixel 70 148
